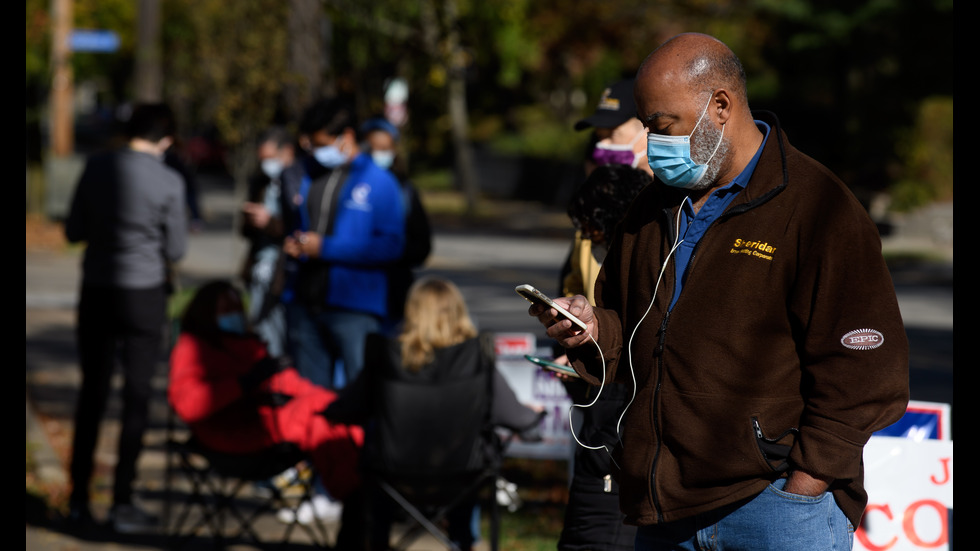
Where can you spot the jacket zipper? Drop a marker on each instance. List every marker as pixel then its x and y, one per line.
pixel 656 415
pixel 735 210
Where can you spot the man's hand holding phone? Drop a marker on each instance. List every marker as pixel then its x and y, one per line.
pixel 302 244
pixel 559 327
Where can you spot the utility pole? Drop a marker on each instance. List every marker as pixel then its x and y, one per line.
pixel 62 83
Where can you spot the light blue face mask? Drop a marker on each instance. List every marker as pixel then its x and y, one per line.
pixel 670 157
pixel 384 159
pixel 329 156
pixel 272 167
pixel 232 322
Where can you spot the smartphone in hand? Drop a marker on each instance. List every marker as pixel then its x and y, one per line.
pixel 537 297
pixel 558 368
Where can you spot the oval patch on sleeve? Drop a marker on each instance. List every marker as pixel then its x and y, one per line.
pixel 862 339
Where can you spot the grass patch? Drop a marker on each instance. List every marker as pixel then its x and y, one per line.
pixel 434 180
pixel 542 485
pixel 178 302
pixel 898 259
pixel 533 527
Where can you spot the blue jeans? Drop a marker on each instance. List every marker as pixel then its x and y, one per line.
pixel 319 341
pixel 772 521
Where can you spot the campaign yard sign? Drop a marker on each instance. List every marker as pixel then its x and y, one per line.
pixel 922 421
pixel 534 385
pixel 908 473
pixel 910 495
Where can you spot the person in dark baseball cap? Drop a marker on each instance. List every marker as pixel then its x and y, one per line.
pixel 617 134
pixel 615 107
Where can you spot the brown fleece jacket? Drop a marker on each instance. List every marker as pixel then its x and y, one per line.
pixel 785 350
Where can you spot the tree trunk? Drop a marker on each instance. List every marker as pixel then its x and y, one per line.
pixel 458 112
pixel 445 50
pixel 307 57
pixel 149 74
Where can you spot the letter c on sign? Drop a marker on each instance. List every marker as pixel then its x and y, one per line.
pixel 862 534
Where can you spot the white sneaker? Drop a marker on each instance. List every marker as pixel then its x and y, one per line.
pixel 326 508
pixel 320 507
pixel 287 515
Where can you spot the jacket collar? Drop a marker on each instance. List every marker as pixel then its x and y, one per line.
pixel 760 187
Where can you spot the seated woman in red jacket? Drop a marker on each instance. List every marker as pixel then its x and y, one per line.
pixel 236 398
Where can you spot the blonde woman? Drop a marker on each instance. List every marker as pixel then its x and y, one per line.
pixel 438 345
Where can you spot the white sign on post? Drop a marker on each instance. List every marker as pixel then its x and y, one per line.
pixel 534 385
pixel 910 495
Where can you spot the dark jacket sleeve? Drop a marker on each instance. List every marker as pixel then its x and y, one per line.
pixel 76 225
pixel 507 411
pixel 418 232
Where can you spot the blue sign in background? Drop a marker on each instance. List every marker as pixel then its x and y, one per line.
pixel 919 423
pixel 82 40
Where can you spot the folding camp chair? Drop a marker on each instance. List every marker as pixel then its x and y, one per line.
pixel 223 500
pixel 434 449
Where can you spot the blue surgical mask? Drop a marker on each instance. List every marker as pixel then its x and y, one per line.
pixel 232 322
pixel 272 167
pixel 670 157
pixel 384 159
pixel 330 156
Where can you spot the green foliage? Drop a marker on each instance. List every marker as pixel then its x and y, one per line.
pixel 538 134
pixel 38 38
pixel 233 56
pixel 434 180
pixel 927 154
pixel 837 72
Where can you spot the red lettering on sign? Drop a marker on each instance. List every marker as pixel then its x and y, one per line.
pixel 862 535
pixel 908 526
pixel 945 462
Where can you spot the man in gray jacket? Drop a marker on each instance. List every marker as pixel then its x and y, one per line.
pixel 129 209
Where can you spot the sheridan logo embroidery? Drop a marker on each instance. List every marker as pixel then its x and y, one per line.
pixel 862 339
pixel 758 249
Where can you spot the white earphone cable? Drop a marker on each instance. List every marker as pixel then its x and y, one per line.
pixel 663 268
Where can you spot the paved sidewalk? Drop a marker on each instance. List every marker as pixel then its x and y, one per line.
pixel 485 261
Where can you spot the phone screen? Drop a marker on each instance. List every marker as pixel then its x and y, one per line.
pixel 533 295
pixel 564 369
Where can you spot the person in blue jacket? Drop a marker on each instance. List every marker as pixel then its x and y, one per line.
pixel 344 222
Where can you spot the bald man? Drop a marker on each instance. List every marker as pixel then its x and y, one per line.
pixel 747 300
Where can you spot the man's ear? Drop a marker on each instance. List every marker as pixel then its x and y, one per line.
pixel 721 104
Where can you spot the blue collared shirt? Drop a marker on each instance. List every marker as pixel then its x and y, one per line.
pixel 694 225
